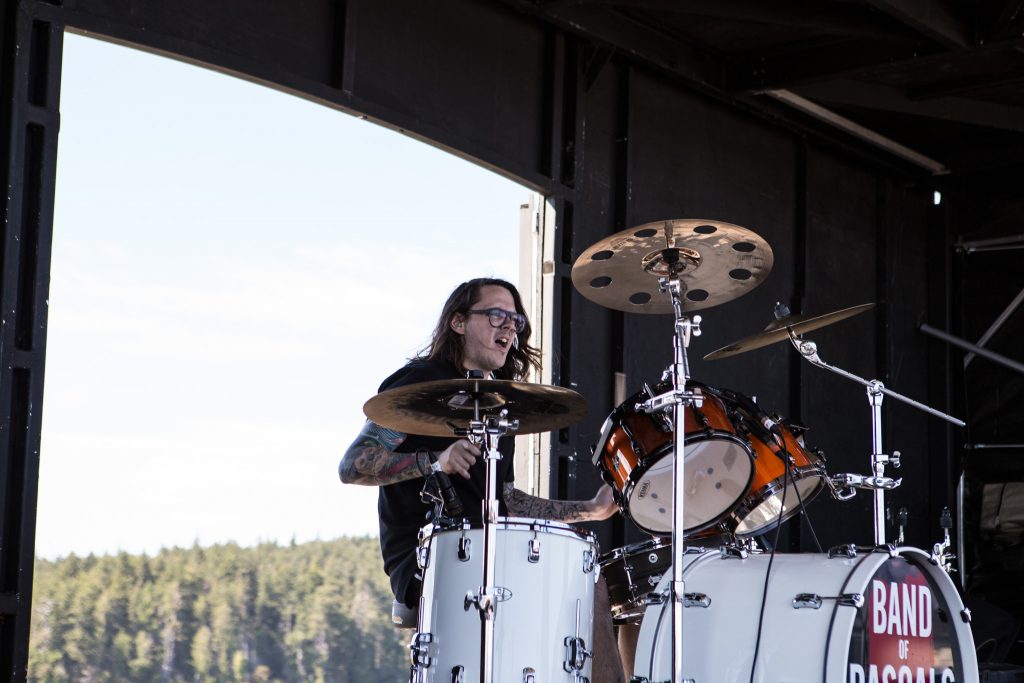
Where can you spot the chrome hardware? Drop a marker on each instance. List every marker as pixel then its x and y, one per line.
pixel 694 550
pixel 589 561
pixel 533 556
pixel 846 550
pixel 851 600
pixel 529 675
pixel 464 544
pixel 813 601
pixel 696 600
pixel 423 556
pixel 965 614
pixel 807 601
pixel 845 482
pixel 656 598
pixel 576 653
pixel 652 558
pixel 457 672
pixel 727 551
pixel 419 649
pixel 940 557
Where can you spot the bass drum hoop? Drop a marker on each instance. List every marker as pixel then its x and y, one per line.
pixel 666 451
pixel 838 649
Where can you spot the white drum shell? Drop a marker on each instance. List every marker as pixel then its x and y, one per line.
pixel 797 645
pixel 531 625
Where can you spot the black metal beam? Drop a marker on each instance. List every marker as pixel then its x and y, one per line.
pixel 831 18
pixel 629 37
pixel 886 98
pixel 938 20
pixel 31 43
pixel 966 85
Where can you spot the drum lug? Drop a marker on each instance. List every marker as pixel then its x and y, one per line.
pixel 696 600
pixel 728 551
pixel 807 601
pixel 576 654
pixel 589 561
pixel 813 601
pixel 419 649
pixel 457 672
pixel 529 675
pixel 656 598
pixel 965 614
pixel 464 544
pixel 533 556
pixel 423 556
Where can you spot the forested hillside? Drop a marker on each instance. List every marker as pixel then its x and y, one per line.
pixel 312 612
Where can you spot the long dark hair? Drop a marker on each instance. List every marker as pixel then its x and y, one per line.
pixel 447 345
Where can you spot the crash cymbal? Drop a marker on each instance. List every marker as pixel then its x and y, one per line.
pixel 427 408
pixel 779 329
pixel 716 261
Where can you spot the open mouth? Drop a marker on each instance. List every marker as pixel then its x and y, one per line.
pixel 503 342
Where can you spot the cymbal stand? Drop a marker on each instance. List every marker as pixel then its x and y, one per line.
pixel 844 484
pixel 676 400
pixel 485 433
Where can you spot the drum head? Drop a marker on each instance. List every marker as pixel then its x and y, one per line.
pixel 768 509
pixel 718 472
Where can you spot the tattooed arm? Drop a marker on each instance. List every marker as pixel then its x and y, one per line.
pixel 601 506
pixel 371 459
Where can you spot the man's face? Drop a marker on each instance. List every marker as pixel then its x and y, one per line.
pixel 485 346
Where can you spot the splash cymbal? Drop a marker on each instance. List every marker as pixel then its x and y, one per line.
pixel 716 262
pixel 427 408
pixel 778 330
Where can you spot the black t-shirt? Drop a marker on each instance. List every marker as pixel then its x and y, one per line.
pixel 402 513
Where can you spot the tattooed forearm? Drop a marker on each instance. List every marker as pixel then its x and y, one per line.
pixel 371 459
pixel 524 505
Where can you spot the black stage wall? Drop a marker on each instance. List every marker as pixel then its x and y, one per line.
pixel 614 143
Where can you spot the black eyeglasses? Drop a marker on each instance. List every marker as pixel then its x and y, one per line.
pixel 497 317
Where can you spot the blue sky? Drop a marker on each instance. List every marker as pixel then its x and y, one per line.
pixel 234 271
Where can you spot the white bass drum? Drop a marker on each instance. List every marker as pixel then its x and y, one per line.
pixel 877 617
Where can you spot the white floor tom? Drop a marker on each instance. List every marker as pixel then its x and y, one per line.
pixel 874 617
pixel 545 572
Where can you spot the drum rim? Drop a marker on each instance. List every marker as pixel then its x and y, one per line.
pixel 655 543
pixel 770 489
pixel 641 470
pixel 513 523
pixel 835 660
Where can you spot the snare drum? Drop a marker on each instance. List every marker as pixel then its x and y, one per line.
pixel 873 617
pixel 635 453
pixel 632 572
pixel 545 573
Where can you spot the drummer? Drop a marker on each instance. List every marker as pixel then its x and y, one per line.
pixel 483 326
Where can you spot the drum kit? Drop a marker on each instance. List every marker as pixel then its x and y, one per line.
pixel 514 600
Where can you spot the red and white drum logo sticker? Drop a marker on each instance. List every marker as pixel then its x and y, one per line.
pixel 902 634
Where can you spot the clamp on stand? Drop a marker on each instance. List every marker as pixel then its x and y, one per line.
pixel 844 485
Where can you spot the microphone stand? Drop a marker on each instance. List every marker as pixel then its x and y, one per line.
pixel 843 485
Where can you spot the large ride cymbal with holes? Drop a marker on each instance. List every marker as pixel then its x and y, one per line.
pixel 432 408
pixel 778 330
pixel 715 261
